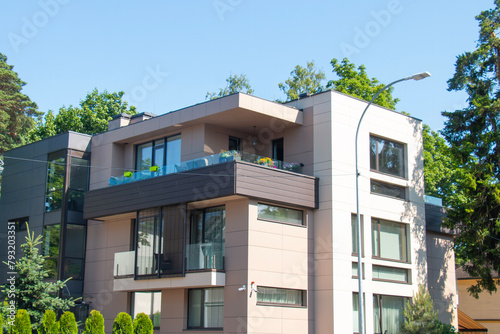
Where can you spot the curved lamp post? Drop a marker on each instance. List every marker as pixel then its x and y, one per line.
pixel 418 76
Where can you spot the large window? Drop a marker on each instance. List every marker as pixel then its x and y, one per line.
pixel 164 153
pixel 387 313
pixel 388 189
pixel 280 214
pixel 206 239
pixel 278 296
pixel 160 241
pixel 50 248
pixel 206 308
pixel 387 156
pixel 389 240
pixel 78 183
pixel 148 303
pixel 56 171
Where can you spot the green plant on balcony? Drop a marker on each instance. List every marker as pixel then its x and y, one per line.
pixel 229 155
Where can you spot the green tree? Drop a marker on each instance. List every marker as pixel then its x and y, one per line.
pixel 235 83
pixel 123 324
pixel 474 136
pixel 17 111
pixel 91 117
pixel 94 323
pixel 419 316
pixel 22 323
pixel 67 323
pixel 143 324
pixel 355 82
pixel 439 169
pixel 303 80
pixel 49 325
pixel 32 293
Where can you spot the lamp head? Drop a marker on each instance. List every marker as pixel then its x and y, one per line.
pixel 420 76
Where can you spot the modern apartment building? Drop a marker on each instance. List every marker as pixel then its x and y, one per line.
pixel 237 215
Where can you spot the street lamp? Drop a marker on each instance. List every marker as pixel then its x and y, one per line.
pixel 418 76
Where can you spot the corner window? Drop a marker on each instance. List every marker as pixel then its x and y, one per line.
pixel 389 240
pixel 148 303
pixel 280 297
pixel 280 214
pixel 387 156
pixel 206 308
pixel 388 189
pixel 387 313
pixel 56 171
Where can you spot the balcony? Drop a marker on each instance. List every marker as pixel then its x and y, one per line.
pixel 204 162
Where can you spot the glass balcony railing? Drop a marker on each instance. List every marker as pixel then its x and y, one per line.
pixel 204 162
pixel 124 264
pixel 203 256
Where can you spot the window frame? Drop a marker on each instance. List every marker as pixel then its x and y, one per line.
pixel 303 297
pixel 202 310
pixel 408 273
pixel 154 148
pixel 379 299
pixel 404 188
pixel 151 316
pixel 303 223
pixel 377 159
pixel 406 247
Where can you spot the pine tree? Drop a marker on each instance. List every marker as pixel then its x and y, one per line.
pixel 419 315
pixel 32 293
pixel 143 324
pixel 49 325
pixel 67 323
pixel 123 324
pixel 95 323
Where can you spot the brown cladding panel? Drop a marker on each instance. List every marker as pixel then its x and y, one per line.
pixel 275 185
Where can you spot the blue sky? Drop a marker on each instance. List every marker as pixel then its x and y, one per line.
pixel 167 54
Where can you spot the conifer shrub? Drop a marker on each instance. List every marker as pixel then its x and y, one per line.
pixel 22 323
pixel 67 323
pixel 123 324
pixel 49 323
pixel 94 323
pixel 143 324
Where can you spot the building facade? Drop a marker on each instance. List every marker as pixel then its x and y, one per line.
pixel 237 215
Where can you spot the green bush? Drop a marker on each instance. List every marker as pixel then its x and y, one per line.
pixel 22 323
pixel 123 324
pixel 49 323
pixel 1 323
pixel 67 323
pixel 95 323
pixel 143 324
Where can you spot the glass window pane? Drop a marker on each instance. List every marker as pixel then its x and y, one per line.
pixel 388 189
pixel 53 200
pixel 375 239
pixel 148 240
pixel 280 214
pixel 173 153
pixel 148 303
pixel 392 313
pixel 75 241
pixel 376 314
pixel 194 308
pixel 144 156
pixel 214 308
pixel 390 273
pixel 387 156
pixel 279 296
pixel 56 170
pixel 391 241
pixel 79 174
pixel 355 312
pixel 74 268
pixel 75 200
pixel 50 248
pixel 373 153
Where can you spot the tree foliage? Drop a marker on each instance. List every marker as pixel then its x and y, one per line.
pixel 94 323
pixel 355 82
pixel 67 323
pixel 32 293
pixel 419 316
pixel 49 325
pixel 123 324
pixel 143 324
pixel 235 83
pixel 474 136
pixel 303 80
pixel 91 117
pixel 17 111
pixel 22 323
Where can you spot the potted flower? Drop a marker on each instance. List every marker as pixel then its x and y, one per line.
pixel 229 155
pixel 266 162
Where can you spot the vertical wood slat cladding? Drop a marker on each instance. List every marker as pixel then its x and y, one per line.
pixel 204 183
